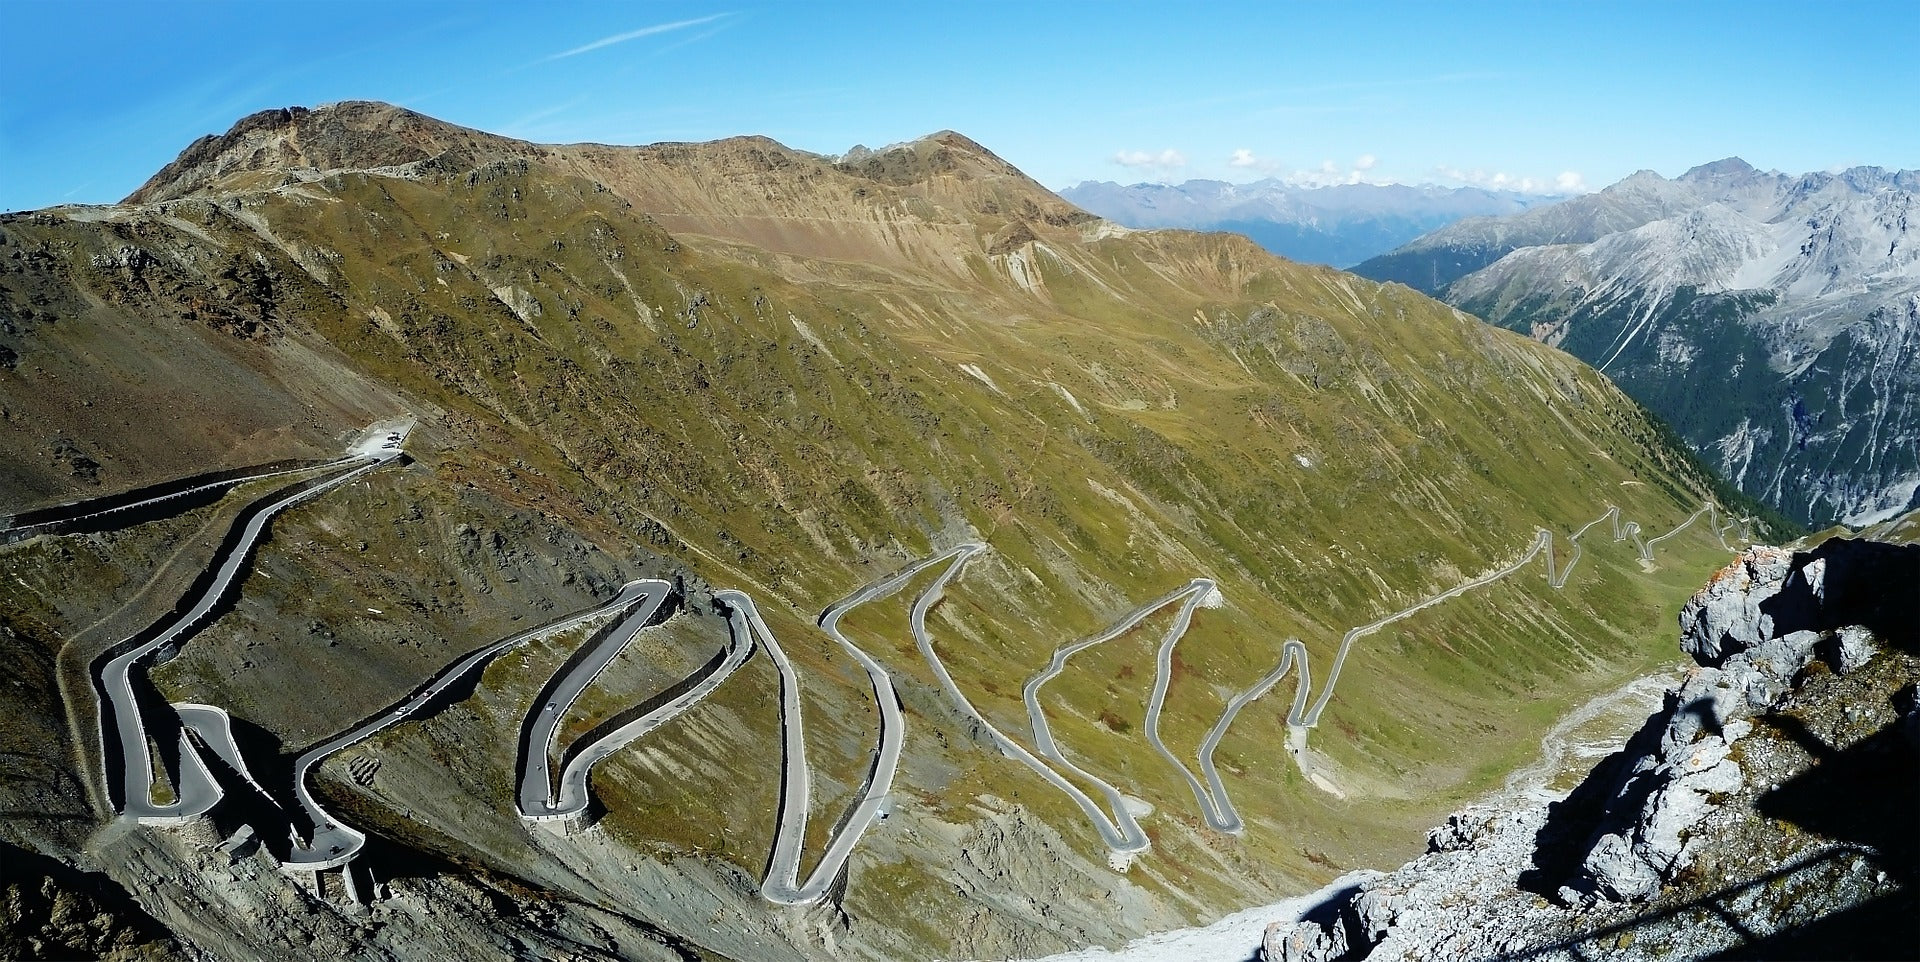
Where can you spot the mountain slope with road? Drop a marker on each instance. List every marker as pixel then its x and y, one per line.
pixel 765 378
pixel 1774 320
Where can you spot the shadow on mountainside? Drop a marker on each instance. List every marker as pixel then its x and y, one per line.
pixel 55 911
pixel 1563 841
pixel 1866 797
pixel 1868 583
pixel 1848 821
pixel 1861 802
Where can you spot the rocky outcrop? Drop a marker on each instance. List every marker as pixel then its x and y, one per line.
pixel 48 910
pixel 1767 807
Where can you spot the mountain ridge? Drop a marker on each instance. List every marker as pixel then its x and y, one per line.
pixel 1799 292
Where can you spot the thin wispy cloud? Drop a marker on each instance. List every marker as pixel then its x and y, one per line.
pixel 696 38
pixel 657 28
pixel 526 121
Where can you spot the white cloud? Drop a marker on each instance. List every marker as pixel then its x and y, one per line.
pixel 637 34
pixel 1244 159
pixel 1168 159
pixel 1330 174
pixel 1567 182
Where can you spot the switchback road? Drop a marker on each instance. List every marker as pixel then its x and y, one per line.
pixel 538 798
pixel 120 708
pixel 331 843
pixel 782 884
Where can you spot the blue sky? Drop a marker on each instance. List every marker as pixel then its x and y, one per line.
pixel 97 96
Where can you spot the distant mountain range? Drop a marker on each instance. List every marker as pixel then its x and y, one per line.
pixel 1340 225
pixel 1773 319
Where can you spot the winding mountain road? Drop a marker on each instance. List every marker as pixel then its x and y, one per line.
pixel 1122 827
pixel 1216 806
pixel 214 727
pixel 1217 811
pixel 1294 654
pixel 198 792
pixel 205 732
pixel 538 797
pixel 782 884
pixel 92 510
pixel 1123 835
pixel 331 843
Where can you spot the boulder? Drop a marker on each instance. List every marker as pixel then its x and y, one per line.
pixel 1850 649
pixel 1303 942
pixel 1726 616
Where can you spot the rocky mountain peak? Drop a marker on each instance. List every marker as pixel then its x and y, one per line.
pixel 351 135
pixel 943 153
pixel 1638 180
pixel 1719 170
pixel 1791 285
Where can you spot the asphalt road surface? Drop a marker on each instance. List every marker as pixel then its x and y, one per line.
pixel 330 842
pixel 782 884
pixel 198 791
pixel 538 797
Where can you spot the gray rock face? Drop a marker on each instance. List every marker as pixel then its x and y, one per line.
pixel 1743 629
pixel 1286 942
pixel 1683 835
pixel 1725 616
pixel 1850 648
pixel 1460 831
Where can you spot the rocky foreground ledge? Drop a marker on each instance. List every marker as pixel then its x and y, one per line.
pixel 1771 809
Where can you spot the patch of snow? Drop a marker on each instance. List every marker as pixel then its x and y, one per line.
pixel 974 371
pixel 1067 396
